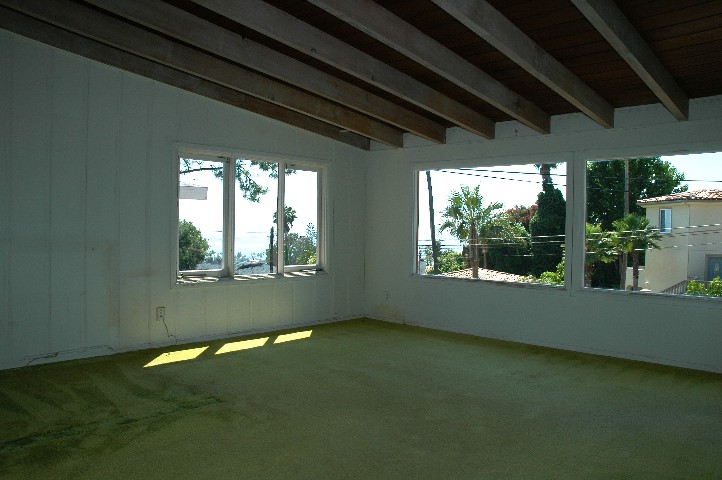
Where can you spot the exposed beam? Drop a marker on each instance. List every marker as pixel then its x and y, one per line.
pixel 487 22
pixel 138 41
pixel 184 26
pixel 70 42
pixel 626 40
pixel 381 24
pixel 285 28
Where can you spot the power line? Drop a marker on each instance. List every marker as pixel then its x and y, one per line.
pixel 480 169
pixel 463 171
pixel 493 177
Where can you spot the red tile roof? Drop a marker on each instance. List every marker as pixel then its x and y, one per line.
pixel 696 196
pixel 486 274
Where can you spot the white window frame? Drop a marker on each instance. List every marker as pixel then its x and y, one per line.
pixel 228 218
pixel 320 244
pixel 665 220
pixel 227 269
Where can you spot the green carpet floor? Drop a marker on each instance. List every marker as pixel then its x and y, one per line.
pixel 360 399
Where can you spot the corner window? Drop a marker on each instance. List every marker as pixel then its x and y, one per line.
pixel 499 223
pixel 227 216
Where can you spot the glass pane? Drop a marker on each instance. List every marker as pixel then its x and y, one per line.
pixel 663 239
pixel 503 223
pixel 256 197
pixel 200 215
pixel 300 241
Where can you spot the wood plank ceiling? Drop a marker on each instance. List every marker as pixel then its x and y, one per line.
pixel 362 70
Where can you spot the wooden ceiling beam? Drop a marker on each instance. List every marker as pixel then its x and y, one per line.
pixel 73 43
pixel 289 30
pixel 487 22
pixel 135 40
pixel 384 26
pixel 203 34
pixel 614 26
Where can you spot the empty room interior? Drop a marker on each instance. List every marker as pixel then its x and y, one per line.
pixel 499 254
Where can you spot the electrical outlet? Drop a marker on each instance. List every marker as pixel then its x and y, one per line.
pixel 160 314
pixel 387 295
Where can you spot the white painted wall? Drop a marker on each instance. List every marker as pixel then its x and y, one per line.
pixel 87 203
pixel 663 329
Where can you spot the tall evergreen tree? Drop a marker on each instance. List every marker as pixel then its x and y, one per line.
pixel 547 228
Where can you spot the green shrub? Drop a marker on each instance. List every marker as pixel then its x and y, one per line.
pixel 714 289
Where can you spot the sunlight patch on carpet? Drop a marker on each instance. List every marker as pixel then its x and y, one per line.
pixel 176 356
pixel 242 345
pixel 289 337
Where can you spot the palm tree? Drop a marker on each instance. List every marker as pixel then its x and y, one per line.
pixel 545 171
pixel 289 216
pixel 599 248
pixel 469 220
pixel 633 235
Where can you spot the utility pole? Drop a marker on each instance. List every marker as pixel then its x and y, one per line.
pixel 626 186
pixel 434 245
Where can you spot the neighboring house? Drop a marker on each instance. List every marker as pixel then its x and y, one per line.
pixel 691 243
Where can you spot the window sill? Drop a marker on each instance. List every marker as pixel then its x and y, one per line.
pixel 651 297
pixel 184 280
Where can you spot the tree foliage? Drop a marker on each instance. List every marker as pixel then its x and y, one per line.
pixel 600 248
pixel 547 228
pixel 648 177
pixel 480 226
pixel 192 247
pixel 714 289
pixel 633 235
pixel 450 261
pixel 250 189
pixel 301 249
pixel 510 250
pixel 522 214
pixel 297 249
pixel 555 277
pixel 289 214
pixel 463 216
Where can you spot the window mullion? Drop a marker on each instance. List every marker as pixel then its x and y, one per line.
pixel 229 216
pixel 320 222
pixel 281 217
pixel 576 224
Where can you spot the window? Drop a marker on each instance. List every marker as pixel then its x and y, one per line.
pixel 665 220
pixel 227 216
pixel 500 223
pixel 630 242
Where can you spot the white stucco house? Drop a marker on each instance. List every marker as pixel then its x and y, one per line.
pixel 691 244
